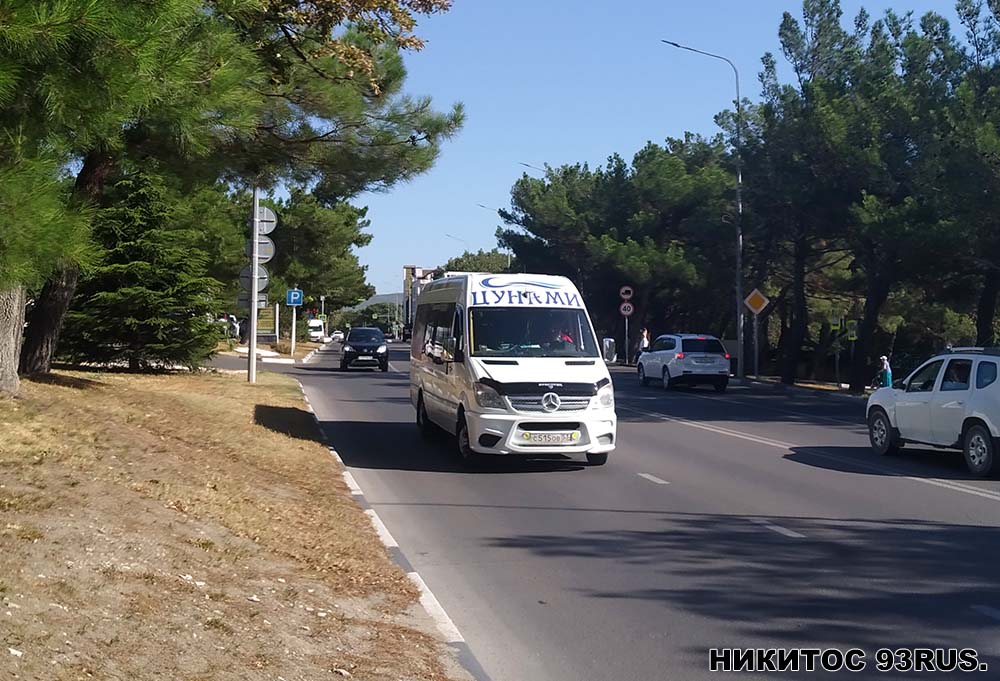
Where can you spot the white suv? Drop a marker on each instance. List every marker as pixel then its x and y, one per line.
pixel 686 358
pixel 951 401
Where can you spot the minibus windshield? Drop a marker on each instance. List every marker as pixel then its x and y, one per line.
pixel 531 332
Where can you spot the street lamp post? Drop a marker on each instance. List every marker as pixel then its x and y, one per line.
pixel 739 198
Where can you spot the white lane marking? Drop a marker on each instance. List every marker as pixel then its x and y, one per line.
pixel 381 530
pixel 777 528
pixel 653 478
pixel 392 368
pixel 884 470
pixel 352 483
pixel 988 611
pixel 277 360
pixel 433 607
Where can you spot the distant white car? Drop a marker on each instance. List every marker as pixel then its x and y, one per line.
pixel 951 401
pixel 685 359
pixel 316 331
pixel 337 336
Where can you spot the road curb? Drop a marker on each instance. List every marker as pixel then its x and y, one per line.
pixel 449 633
pixel 308 357
pixel 801 390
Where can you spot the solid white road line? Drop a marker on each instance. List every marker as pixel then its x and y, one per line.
pixel 437 613
pixel 381 529
pixel 787 446
pixel 392 368
pixel 653 478
pixel 988 611
pixel 777 528
pixel 352 483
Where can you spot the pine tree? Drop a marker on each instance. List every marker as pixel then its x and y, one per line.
pixel 149 302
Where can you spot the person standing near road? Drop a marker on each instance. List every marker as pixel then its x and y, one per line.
pixel 885 372
pixel 643 343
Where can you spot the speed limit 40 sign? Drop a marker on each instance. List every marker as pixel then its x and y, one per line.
pixel 626 308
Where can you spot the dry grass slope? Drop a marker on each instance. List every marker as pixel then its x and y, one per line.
pixel 190 527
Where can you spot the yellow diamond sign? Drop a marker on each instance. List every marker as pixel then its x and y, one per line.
pixel 756 301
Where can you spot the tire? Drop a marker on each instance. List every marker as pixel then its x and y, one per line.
pixel 978 450
pixel 667 385
pixel 464 446
pixel 597 459
pixel 385 368
pixel 643 381
pixel 343 366
pixel 720 387
pixel 424 424
pixel 881 434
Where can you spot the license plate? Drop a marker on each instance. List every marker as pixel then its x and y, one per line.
pixel 705 360
pixel 365 357
pixel 553 438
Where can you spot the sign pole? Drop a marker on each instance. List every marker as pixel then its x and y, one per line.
pixel 293 329
pixel 626 341
pixel 277 326
pixel 252 354
pixel 756 349
pixel 836 363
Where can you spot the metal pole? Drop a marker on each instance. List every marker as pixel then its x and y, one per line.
pixel 252 354
pixel 739 197
pixel 756 349
pixel 836 362
pixel 277 326
pixel 293 329
pixel 626 342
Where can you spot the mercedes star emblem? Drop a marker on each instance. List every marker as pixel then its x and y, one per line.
pixel 550 401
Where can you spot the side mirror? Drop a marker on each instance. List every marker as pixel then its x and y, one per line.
pixel 899 384
pixel 608 351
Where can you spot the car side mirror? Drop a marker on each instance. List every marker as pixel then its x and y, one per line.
pixel 899 384
pixel 608 350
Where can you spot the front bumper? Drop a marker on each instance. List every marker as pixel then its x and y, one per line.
pixel 351 359
pixel 502 433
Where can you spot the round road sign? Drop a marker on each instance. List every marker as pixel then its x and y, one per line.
pixel 626 309
pixel 266 220
pixel 246 278
pixel 626 293
pixel 265 249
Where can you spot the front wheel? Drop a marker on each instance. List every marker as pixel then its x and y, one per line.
pixel 385 368
pixel 881 434
pixel 642 376
pixel 465 451
pixel 667 385
pixel 978 450
pixel 597 459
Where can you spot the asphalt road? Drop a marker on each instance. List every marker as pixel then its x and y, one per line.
pixel 750 519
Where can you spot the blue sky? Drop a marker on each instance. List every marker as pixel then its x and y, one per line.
pixel 563 81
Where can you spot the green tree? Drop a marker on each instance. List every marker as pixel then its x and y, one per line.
pixel 494 261
pixel 314 249
pixel 149 302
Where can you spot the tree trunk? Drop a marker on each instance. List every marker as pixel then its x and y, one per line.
pixel 877 294
pixel 11 333
pixel 46 319
pixel 987 307
pixel 799 325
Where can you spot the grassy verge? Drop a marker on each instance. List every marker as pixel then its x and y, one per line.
pixel 190 527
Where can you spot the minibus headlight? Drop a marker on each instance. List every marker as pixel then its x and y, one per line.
pixel 606 396
pixel 488 397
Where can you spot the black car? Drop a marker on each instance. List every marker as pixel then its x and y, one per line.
pixel 364 347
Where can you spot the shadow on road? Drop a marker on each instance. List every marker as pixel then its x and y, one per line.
pixel 924 463
pixel 858 582
pixel 290 421
pixel 399 446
